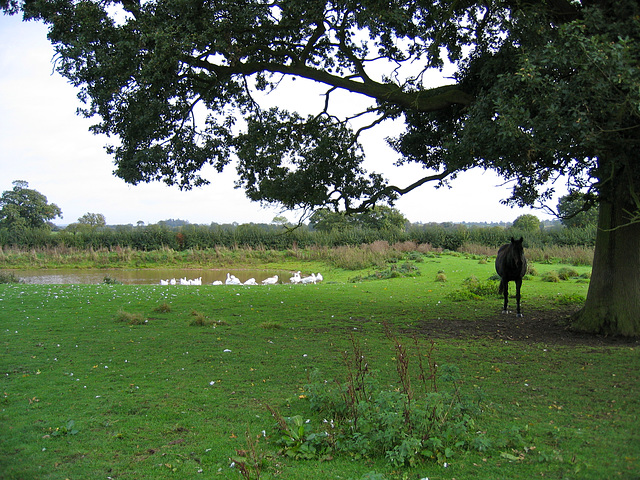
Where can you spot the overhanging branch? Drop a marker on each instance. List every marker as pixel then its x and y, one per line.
pixel 392 189
pixel 424 101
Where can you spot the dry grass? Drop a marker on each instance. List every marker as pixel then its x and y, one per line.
pixel 573 255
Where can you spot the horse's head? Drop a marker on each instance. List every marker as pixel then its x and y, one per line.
pixel 517 252
pixel 517 245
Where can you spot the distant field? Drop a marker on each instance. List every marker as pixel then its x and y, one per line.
pixel 164 382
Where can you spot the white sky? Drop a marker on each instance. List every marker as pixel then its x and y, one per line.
pixel 44 142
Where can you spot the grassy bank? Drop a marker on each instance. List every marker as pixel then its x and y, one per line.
pixel 163 382
pixel 376 254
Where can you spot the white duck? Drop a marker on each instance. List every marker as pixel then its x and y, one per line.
pixel 296 278
pixel 310 279
pixel 271 280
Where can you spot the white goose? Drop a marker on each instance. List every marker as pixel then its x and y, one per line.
pixel 296 278
pixel 184 281
pixel 271 280
pixel 319 277
pixel 232 280
pixel 164 282
pixel 310 279
pixel 172 281
pixel 251 281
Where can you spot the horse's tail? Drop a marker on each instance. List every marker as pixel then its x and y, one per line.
pixel 501 287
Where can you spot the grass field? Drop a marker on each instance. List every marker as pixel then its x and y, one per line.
pixel 171 382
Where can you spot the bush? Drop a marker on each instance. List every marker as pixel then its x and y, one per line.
pixel 404 425
pixel 566 273
pixel 9 277
pixel 131 318
pixel 441 277
pixel 551 276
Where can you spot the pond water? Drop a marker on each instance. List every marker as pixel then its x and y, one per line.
pixel 142 276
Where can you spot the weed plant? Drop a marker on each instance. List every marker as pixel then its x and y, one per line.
pixel 417 421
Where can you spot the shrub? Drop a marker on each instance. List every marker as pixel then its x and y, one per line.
pixel 163 308
pixel 569 299
pixel 474 289
pixel 9 277
pixel 131 318
pixel 441 277
pixel 551 276
pixel 566 273
pixel 200 320
pixel 418 420
pixel 107 280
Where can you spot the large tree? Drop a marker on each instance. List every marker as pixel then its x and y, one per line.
pixel 543 89
pixel 23 207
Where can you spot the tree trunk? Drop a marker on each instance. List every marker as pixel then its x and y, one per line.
pixel 612 306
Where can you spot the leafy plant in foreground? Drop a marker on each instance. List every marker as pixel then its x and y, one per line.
pixel 68 429
pixel 423 418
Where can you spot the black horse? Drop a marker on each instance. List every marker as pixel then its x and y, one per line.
pixel 511 266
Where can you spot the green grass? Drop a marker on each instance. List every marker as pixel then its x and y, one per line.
pixel 168 399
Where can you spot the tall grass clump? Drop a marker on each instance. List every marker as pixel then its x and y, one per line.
pixel 131 318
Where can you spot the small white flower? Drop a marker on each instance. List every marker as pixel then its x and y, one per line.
pixel 212 382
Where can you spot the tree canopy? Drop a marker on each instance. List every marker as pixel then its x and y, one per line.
pixel 22 207
pixel 543 90
pixel 377 218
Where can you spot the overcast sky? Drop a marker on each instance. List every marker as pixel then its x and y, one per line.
pixel 44 142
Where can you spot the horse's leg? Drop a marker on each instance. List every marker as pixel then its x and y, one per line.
pixel 518 286
pixel 505 292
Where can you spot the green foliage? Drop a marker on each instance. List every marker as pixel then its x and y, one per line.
pixel 569 299
pixel 367 420
pixel 108 280
pixel 405 269
pixel 9 277
pixel 23 208
pixel 166 240
pixel 163 308
pixel 173 403
pixel 379 218
pixel 565 273
pixel 527 223
pixel 474 289
pixel 131 318
pixel 577 210
pixel 551 276
pixel 67 429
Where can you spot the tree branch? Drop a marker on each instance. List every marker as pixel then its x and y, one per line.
pixel 425 101
pixel 371 201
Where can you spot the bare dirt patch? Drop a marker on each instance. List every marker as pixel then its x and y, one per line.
pixel 537 326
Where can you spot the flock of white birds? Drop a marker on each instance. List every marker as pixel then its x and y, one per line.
pixel 233 280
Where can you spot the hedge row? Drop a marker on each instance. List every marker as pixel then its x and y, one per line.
pixel 153 237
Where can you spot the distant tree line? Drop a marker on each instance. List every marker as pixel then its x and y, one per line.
pixel 150 237
pixel 325 229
